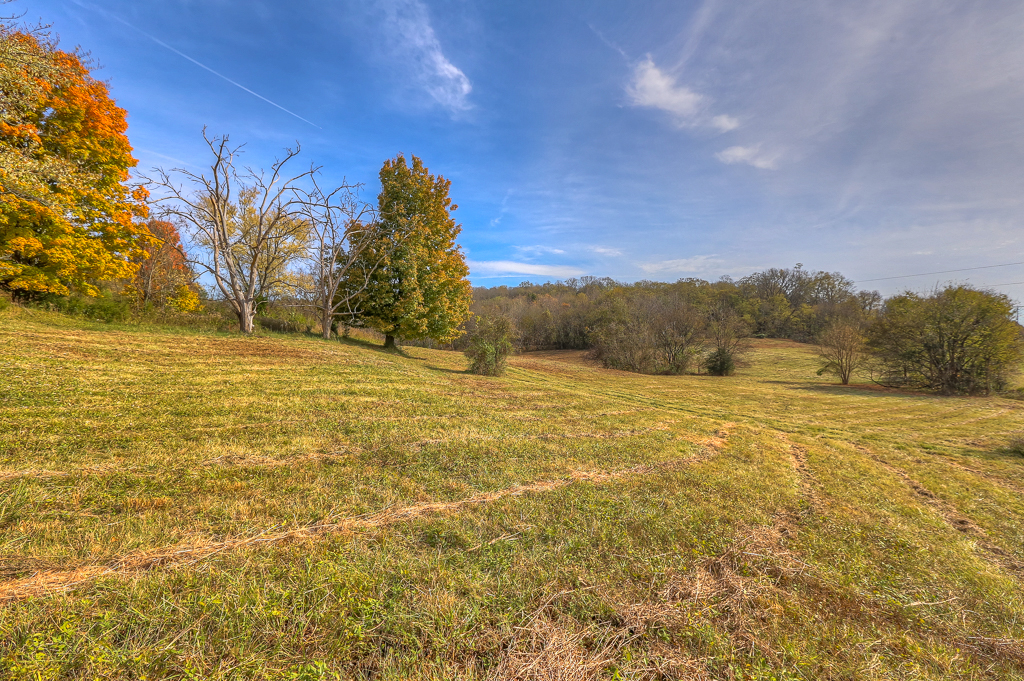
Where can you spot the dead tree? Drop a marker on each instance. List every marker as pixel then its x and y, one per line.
pixel 246 224
pixel 341 228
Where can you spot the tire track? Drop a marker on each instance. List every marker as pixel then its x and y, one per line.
pixel 952 516
pixel 42 583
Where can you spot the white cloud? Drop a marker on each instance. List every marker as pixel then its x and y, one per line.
pixel 697 263
pixel 750 155
pixel 653 88
pixel 539 249
pixel 412 36
pixel 603 250
pixel 725 123
pixel 508 267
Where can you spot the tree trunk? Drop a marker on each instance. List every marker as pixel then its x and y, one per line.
pixel 325 323
pixel 245 317
pixel 389 342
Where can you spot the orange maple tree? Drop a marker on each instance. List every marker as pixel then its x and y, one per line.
pixel 164 277
pixel 67 210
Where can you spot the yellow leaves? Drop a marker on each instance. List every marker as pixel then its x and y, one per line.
pixel 419 289
pixel 66 213
pixel 186 300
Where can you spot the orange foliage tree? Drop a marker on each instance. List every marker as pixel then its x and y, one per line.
pixel 67 210
pixel 164 277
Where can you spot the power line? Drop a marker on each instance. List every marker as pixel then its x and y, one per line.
pixel 925 274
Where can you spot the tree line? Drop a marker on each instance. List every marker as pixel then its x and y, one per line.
pixel 956 340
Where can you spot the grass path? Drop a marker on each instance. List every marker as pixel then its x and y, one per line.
pixel 44 582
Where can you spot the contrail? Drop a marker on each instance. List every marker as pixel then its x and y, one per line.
pixel 194 61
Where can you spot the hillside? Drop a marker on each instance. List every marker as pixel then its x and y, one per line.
pixel 180 505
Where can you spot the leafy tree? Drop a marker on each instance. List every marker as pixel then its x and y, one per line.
pixel 164 277
pixel 842 350
pixel 67 211
pixel 959 340
pixel 490 345
pixel 413 273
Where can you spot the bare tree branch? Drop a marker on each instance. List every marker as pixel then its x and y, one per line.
pixel 245 226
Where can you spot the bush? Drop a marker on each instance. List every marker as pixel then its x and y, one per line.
pixel 720 362
pixel 106 308
pixel 490 346
pixel 727 334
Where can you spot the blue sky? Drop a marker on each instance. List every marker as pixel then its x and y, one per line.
pixel 635 140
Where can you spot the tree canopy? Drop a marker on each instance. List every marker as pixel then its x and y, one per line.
pixel 418 288
pixel 67 210
pixel 959 340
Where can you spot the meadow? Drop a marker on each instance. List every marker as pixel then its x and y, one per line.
pixel 176 504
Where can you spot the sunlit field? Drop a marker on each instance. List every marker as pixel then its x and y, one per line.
pixel 184 505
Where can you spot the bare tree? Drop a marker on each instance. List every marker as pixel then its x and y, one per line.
pixel 247 223
pixel 727 339
pixel 341 229
pixel 842 350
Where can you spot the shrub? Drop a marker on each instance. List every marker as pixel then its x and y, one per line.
pixel 490 346
pixel 1015 445
pixel 727 336
pixel 720 362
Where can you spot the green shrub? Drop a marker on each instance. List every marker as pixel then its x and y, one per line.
pixel 106 308
pixel 490 346
pixel 720 362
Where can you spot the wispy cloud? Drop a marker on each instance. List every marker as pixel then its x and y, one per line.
pixel 538 250
pixel 604 250
pixel 511 268
pixel 412 36
pixel 654 88
pixel 749 155
pixel 725 123
pixel 694 264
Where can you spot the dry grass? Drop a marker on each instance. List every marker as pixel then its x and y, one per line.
pixel 182 505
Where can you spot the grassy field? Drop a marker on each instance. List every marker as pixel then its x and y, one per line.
pixel 180 505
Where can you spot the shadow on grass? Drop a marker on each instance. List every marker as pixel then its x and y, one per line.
pixel 860 389
pixel 459 372
pixel 369 345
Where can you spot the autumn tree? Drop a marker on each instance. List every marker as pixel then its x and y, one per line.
pixel 418 288
pixel 164 277
pixel 841 347
pixel 67 210
pixel 246 225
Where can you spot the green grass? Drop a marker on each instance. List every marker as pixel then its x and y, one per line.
pixel 184 505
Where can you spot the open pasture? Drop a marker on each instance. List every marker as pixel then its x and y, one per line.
pixel 183 505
